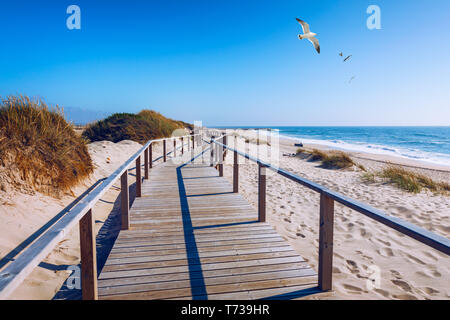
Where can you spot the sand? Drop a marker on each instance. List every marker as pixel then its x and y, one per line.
pixel 23 215
pixel 363 248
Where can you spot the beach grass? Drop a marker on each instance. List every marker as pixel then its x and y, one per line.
pixel 405 179
pixel 330 159
pixel 412 181
pixel 40 149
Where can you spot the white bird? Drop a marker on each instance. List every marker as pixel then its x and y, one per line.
pixel 307 34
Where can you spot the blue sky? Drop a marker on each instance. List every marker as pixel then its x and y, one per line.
pixel 234 62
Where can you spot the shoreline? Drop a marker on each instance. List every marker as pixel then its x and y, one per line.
pixel 288 142
pixel 383 158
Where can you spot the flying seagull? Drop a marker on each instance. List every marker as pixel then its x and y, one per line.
pixel 348 57
pixel 308 35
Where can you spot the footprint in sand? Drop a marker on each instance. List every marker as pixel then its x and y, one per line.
pixel 385 252
pixel 300 234
pixel 417 260
pixel 384 293
pixel 402 284
pixel 429 290
pixel 396 274
pixel 353 289
pixel 404 297
pixel 352 266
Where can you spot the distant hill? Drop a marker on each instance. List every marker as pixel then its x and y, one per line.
pixel 141 127
pixel 80 116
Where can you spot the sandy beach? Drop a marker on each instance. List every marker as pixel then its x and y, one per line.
pixel 407 268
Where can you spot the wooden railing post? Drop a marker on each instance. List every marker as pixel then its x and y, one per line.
pixel 182 146
pixel 212 145
pixel 150 151
pixel 235 173
pixel 224 141
pixel 146 164
pixel 326 242
pixel 88 254
pixel 138 177
pixel 164 150
pixel 175 147
pixel 124 201
pixel 220 160
pixel 261 193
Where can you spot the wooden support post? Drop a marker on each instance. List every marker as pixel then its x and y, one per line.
pixel 124 201
pixel 146 164
pixel 164 150
pixel 174 147
pixel 235 173
pixel 220 160
pixel 224 149
pixel 150 151
pixel 182 146
pixel 89 288
pixel 261 193
pixel 193 140
pixel 326 242
pixel 138 177
pixel 211 145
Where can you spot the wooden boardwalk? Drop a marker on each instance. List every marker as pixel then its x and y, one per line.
pixel 192 238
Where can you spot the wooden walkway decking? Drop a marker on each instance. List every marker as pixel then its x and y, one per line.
pixel 192 238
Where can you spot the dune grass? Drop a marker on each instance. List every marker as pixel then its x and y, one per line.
pixel 39 149
pixel 330 159
pixel 141 127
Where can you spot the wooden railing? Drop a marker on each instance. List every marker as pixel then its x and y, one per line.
pixel 326 215
pixel 16 271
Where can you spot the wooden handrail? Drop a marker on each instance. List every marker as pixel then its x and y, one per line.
pixel 327 198
pixel 16 271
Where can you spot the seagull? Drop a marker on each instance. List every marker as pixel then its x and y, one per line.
pixel 348 57
pixel 308 35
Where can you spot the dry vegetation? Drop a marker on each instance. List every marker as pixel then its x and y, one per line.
pixel 39 150
pixel 141 127
pixel 409 180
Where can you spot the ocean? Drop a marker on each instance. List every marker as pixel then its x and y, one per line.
pixel 428 144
